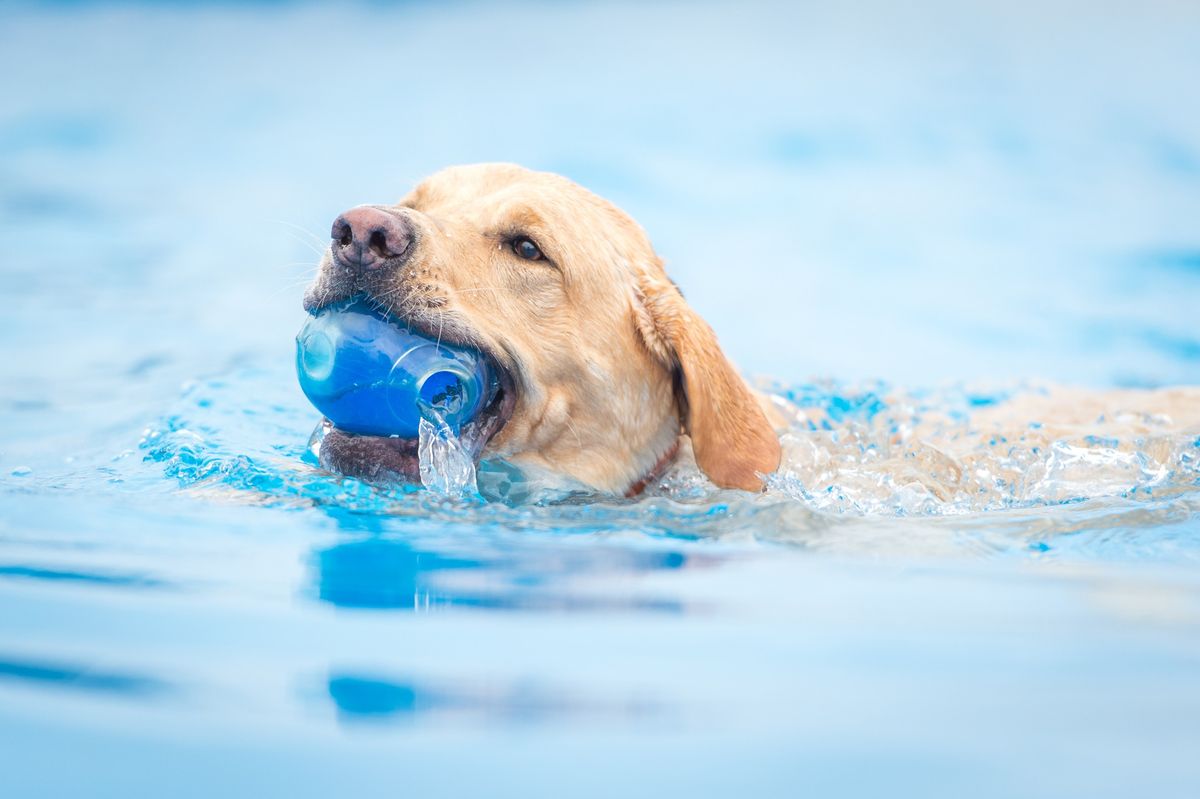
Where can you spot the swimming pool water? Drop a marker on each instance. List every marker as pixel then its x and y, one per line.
pixel 897 215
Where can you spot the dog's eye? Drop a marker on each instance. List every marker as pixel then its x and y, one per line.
pixel 525 248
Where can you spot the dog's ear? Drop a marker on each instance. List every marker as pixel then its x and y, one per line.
pixel 732 440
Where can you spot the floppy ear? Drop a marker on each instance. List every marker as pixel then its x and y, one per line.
pixel 731 437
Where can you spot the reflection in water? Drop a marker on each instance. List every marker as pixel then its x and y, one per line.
pixel 363 698
pixel 77 677
pixel 397 574
pixel 90 577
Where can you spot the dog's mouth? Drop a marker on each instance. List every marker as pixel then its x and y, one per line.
pixel 391 459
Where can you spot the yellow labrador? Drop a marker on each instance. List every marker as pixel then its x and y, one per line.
pixel 603 364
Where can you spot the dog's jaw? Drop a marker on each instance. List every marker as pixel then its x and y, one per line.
pixel 388 459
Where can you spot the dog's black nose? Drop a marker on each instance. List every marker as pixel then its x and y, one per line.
pixel 367 238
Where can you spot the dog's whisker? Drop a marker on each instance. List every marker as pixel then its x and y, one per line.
pixel 571 427
pixel 316 242
pixel 308 274
pixel 289 287
pixel 319 252
pixel 308 270
pixel 299 277
pixel 482 288
pixel 293 284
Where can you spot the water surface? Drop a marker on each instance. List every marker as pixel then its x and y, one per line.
pixel 901 217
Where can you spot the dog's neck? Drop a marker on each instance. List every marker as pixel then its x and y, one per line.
pixel 655 472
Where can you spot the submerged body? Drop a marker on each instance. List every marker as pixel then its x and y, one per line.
pixel 606 377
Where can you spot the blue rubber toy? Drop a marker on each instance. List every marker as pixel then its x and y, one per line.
pixel 369 375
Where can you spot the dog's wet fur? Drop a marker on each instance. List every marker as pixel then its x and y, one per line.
pixel 606 372
pixel 604 364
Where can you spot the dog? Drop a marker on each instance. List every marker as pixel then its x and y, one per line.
pixel 607 375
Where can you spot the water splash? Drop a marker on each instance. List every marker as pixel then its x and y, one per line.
pixel 447 466
pixel 865 468
pixel 887 452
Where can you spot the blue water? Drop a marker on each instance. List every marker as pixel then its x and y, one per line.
pixel 894 213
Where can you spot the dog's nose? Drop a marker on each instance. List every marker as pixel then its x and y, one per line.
pixel 367 237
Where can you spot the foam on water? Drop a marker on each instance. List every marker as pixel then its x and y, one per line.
pixel 885 452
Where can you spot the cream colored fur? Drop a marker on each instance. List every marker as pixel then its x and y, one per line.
pixel 611 363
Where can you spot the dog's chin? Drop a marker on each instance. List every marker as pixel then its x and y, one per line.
pixel 375 459
pixel 389 459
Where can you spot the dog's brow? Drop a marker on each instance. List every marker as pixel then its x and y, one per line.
pixel 521 217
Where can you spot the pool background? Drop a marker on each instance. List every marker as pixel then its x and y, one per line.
pixel 927 195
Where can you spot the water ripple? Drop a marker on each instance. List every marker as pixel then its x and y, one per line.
pixel 114 580
pixel 78 677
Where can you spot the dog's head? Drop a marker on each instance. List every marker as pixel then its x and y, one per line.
pixel 603 363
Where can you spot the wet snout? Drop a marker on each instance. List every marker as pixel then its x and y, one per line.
pixel 369 238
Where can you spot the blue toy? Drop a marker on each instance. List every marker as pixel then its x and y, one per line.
pixel 370 375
